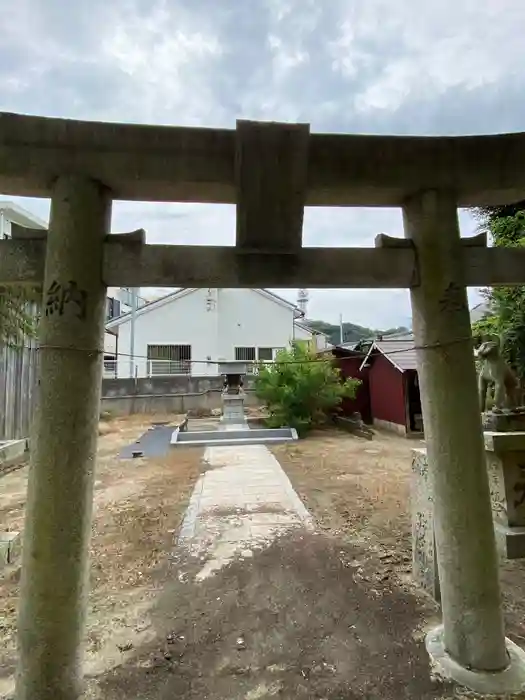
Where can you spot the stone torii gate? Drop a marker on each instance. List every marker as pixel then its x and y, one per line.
pixel 271 172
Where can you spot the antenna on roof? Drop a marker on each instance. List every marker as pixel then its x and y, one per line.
pixel 302 300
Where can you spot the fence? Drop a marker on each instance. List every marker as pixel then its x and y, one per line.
pixel 18 387
pixel 141 368
pixel 167 394
pixel 19 382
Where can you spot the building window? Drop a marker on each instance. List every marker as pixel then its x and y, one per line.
pixel 169 359
pixel 110 366
pixel 245 354
pixel 112 308
pixel 265 354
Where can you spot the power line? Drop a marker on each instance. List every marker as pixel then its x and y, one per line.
pixel 355 354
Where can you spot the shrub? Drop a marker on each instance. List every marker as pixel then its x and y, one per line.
pixel 301 390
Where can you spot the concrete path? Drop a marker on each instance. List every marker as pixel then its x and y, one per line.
pixel 242 502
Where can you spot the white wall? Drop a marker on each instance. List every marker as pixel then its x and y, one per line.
pixel 249 319
pixel 237 318
pixel 321 341
pixel 302 333
pixel 183 321
pixel 110 343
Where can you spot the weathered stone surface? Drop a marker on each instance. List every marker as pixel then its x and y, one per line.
pixel 506 471
pixel 505 421
pixel 468 563
pixel 137 162
pixel 424 559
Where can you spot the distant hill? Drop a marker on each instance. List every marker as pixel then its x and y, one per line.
pixel 351 331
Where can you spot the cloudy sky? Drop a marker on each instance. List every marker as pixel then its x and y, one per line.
pixel 365 66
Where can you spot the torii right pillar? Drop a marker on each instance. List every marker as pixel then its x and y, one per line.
pixel 472 637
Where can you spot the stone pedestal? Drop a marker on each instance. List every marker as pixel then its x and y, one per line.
pixel 506 470
pixel 505 453
pixel 424 559
pixel 233 409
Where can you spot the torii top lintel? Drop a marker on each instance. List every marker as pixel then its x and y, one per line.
pixel 186 164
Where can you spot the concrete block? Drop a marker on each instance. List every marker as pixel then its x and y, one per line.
pixel 12 451
pixel 10 548
pixel 504 441
pixel 510 541
pixel 424 559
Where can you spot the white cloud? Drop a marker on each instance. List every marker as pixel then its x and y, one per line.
pixel 467 44
pixel 343 65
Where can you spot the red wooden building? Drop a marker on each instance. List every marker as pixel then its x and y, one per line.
pixel 349 362
pixel 393 384
pixel 389 393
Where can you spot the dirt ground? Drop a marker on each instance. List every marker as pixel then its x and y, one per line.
pixel 327 615
pixel 360 492
pixel 137 511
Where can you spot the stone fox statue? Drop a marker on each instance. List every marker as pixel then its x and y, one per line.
pixel 494 370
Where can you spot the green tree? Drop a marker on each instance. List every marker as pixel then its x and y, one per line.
pixel 301 390
pixel 506 226
pixel 18 314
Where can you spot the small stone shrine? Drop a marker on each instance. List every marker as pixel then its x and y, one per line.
pixel 233 393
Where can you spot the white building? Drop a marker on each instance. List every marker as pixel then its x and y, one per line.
pixel 11 213
pixel 191 330
pixel 119 299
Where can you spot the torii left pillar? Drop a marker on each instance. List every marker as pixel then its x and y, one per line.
pixel 60 491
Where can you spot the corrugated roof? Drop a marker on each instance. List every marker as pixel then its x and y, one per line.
pixel 401 353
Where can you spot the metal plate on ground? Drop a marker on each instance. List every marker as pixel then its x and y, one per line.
pixel 154 443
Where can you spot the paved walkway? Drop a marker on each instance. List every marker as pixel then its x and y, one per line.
pixel 242 502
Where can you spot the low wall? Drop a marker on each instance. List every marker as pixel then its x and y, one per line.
pixel 166 394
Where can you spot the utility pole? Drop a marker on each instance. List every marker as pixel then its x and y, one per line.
pixel 132 332
pixel 341 334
